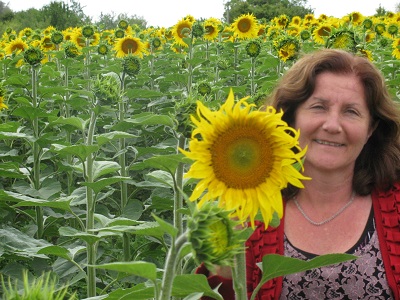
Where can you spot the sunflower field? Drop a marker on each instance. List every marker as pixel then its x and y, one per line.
pixel 92 187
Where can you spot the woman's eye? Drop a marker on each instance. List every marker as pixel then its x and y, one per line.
pixel 317 107
pixel 352 111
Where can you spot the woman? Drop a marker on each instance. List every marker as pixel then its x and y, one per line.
pixel 351 127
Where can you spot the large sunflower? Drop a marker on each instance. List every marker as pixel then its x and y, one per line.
pixel 321 33
pixel 182 30
pixel 243 158
pixel 16 46
pixel 245 26
pixel 130 45
pixel 211 26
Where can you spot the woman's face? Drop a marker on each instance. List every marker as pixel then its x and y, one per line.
pixel 334 123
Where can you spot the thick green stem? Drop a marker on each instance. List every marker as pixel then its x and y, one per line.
pixel 178 200
pixel 190 67
pixel 253 72
pixel 90 207
pixel 124 172
pixel 239 276
pixel 36 155
pixel 170 267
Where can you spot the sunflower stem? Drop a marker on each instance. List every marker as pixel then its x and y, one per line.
pixel 90 206
pixel 123 172
pixel 239 276
pixel 170 266
pixel 36 155
pixel 178 201
pixel 190 67
pixel 253 72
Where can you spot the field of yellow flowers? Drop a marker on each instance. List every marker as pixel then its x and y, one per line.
pixel 91 185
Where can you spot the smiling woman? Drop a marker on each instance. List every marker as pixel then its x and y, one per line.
pixel 351 126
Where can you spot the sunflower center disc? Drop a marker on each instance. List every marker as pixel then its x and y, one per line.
pixel 244 25
pixel 242 157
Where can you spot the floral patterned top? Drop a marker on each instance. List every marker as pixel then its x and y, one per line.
pixel 363 278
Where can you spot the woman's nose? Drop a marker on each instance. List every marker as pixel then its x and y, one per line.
pixel 332 123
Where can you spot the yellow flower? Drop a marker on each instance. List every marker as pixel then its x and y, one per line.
pixel 356 18
pixel 16 46
pixel 321 32
pixel 2 105
pixel 212 30
pixel 243 158
pixel 182 30
pixel 396 48
pixel 130 45
pixel 245 27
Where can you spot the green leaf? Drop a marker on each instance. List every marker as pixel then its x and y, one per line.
pixel 139 268
pixel 276 265
pixel 146 228
pixel 138 292
pixel 73 121
pixel 15 135
pixel 101 168
pixel 15 242
pixel 81 151
pixel 184 285
pixel 167 163
pixel 144 119
pixel 104 182
pixel 55 250
pixel 87 237
pixel 169 228
pixel 142 93
pixel 109 136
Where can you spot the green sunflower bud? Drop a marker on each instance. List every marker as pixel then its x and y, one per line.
pixel 393 29
pixel 213 236
pixel 305 35
pixel 123 24
pixel 119 33
pixel 107 89
pixel 33 56
pixel 156 43
pixel 57 37
pixel 253 48
pixel 88 31
pixel 131 65
pixel 343 39
pixel 380 28
pixel 198 30
pixel 71 50
pixel 367 23
pixel 204 88
pixel 102 49
pixel 222 64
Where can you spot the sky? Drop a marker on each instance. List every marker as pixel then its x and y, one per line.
pixel 166 13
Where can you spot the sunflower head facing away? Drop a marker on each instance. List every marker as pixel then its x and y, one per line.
pixel 243 157
pixel 213 237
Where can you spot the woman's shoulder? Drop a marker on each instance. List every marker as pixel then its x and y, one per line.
pixel 393 189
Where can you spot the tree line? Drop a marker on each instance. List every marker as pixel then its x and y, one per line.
pixel 63 15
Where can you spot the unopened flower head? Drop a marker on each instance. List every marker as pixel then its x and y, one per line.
pixel 131 65
pixel 213 236
pixel 33 56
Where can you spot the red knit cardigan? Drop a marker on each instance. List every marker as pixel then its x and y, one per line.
pixel 386 205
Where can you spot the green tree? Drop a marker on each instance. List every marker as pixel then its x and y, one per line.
pixel 266 9
pixel 397 7
pixel 62 15
pixel 110 20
